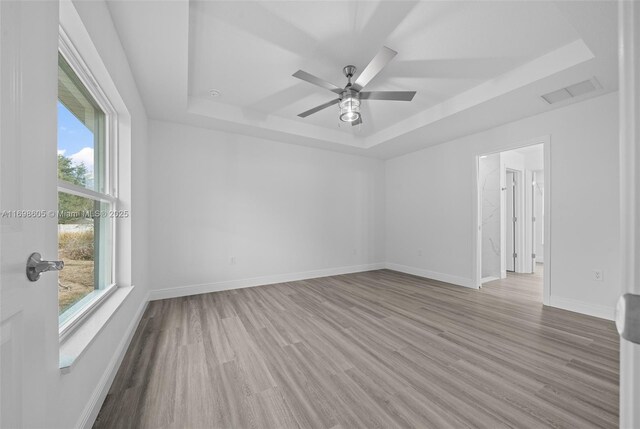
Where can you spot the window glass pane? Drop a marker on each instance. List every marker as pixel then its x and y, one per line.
pixel 81 133
pixel 76 246
pixel 84 243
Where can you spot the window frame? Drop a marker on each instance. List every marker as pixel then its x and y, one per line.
pixel 83 73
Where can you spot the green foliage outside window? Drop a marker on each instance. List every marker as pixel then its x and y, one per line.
pixel 77 175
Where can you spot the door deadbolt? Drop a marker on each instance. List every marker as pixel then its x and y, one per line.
pixel 36 266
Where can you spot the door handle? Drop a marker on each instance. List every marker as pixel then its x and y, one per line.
pixel 36 266
pixel 628 317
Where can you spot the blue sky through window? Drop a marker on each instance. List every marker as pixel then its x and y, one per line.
pixel 75 140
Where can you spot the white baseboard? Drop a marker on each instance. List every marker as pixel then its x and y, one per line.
pixel 447 278
pixel 595 310
pixel 91 410
pixel 489 279
pixel 179 291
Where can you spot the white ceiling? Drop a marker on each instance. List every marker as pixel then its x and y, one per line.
pixel 473 64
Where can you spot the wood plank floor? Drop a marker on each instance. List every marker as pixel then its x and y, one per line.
pixel 372 350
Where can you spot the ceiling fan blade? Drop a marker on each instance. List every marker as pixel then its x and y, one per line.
pixel 357 121
pixel 378 62
pixel 317 81
pixel 388 95
pixel 319 108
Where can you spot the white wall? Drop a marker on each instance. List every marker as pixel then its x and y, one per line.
pixel 429 203
pixel 281 211
pixel 79 392
pixel 534 158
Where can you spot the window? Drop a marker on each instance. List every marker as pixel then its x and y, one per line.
pixel 86 199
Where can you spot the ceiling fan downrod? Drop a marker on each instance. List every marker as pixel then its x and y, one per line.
pixel 349 71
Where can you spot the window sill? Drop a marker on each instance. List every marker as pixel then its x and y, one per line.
pixel 77 341
pixel 85 307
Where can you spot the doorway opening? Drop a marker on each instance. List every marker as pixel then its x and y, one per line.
pixel 513 218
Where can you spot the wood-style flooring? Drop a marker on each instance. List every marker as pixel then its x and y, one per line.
pixel 378 349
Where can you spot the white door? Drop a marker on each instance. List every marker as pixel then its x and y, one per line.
pixel 511 221
pixel 28 310
pixel 534 219
pixel 538 199
pixel 629 24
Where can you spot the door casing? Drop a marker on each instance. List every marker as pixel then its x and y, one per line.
pixel 629 69
pixel 476 239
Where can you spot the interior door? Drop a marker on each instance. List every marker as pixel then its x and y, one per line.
pixel 28 201
pixel 538 198
pixel 511 221
pixel 534 219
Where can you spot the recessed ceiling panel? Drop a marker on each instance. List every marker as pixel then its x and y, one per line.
pixel 249 50
pixel 473 64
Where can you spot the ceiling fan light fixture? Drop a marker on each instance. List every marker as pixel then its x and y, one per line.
pixel 349 97
pixel 349 109
pixel 349 116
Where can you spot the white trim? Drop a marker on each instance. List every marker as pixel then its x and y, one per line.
pixel 76 343
pixel 546 246
pixel 79 66
pixel 629 162
pixel 601 311
pixel 91 410
pixel 178 291
pixel 66 328
pixel 80 191
pixel 434 275
pixel 489 279
pixel 476 222
pixel 87 76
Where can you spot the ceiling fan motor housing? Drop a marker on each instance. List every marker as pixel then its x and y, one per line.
pixel 349 94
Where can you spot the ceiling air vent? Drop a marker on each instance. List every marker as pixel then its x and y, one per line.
pixel 572 91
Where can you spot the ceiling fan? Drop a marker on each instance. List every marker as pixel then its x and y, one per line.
pixel 349 97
